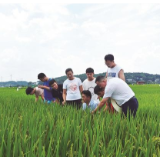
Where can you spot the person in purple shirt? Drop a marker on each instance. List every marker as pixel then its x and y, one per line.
pixel 47 92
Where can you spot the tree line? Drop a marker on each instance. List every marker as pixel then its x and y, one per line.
pixel 135 77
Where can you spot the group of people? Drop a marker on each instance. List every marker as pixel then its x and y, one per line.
pixel 94 92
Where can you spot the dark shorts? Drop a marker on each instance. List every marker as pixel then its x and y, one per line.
pixel 76 103
pixel 130 106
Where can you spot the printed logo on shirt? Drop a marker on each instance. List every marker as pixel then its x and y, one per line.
pixel 73 87
pixel 111 74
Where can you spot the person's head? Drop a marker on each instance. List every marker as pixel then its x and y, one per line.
pixel 109 60
pixel 30 91
pixel 86 96
pixel 90 73
pixel 53 84
pixel 101 81
pixel 42 77
pixel 99 91
pixel 69 73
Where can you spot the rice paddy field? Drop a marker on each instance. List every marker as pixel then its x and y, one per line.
pixel 30 129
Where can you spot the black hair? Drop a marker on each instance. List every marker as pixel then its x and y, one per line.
pixel 68 69
pixel 87 93
pixel 29 90
pixel 99 78
pixel 109 57
pixel 98 89
pixel 51 82
pixel 89 70
pixel 41 75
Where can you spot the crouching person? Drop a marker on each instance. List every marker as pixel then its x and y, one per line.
pixel 100 92
pixel 118 90
pixel 38 92
pixel 57 91
pixel 89 103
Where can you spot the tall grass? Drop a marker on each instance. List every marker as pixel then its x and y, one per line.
pixel 30 129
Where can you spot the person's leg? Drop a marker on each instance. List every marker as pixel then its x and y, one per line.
pixel 133 106
pixel 78 103
pixel 124 109
pixel 75 103
pixel 130 107
pixel 69 103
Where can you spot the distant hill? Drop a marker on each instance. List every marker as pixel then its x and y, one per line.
pixel 14 83
pixel 130 78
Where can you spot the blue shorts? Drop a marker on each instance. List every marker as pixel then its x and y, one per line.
pixel 49 101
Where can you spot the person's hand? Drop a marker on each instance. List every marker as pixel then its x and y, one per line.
pixel 40 86
pixel 63 103
pixel 93 112
pixel 105 109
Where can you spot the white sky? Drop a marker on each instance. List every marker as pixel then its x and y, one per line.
pixel 49 38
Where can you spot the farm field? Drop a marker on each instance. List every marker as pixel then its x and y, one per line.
pixel 30 129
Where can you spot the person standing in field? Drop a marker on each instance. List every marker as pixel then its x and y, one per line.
pixel 118 90
pixel 48 98
pixel 89 83
pixel 38 92
pixel 114 70
pixel 72 88
pixel 88 102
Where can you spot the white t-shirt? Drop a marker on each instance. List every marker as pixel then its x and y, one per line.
pixel 72 87
pixel 38 92
pixel 113 72
pixel 118 90
pixel 90 85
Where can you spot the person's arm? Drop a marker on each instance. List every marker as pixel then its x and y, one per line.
pixel 107 95
pixel 80 85
pixel 101 104
pixel 107 106
pixel 106 74
pixel 81 88
pixel 57 101
pixel 121 75
pixel 44 87
pixel 64 96
pixel 42 96
pixel 36 99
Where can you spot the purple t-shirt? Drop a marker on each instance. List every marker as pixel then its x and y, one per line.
pixel 47 93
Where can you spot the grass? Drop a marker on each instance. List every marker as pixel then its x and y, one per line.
pixel 30 129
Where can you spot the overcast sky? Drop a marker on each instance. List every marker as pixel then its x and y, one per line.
pixel 49 38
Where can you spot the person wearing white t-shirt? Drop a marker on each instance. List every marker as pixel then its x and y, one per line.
pixel 72 88
pixel 89 83
pixel 118 90
pixel 114 70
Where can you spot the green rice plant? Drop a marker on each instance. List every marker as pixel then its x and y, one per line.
pixel 37 129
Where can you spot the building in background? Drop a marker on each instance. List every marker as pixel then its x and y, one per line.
pixel 141 82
